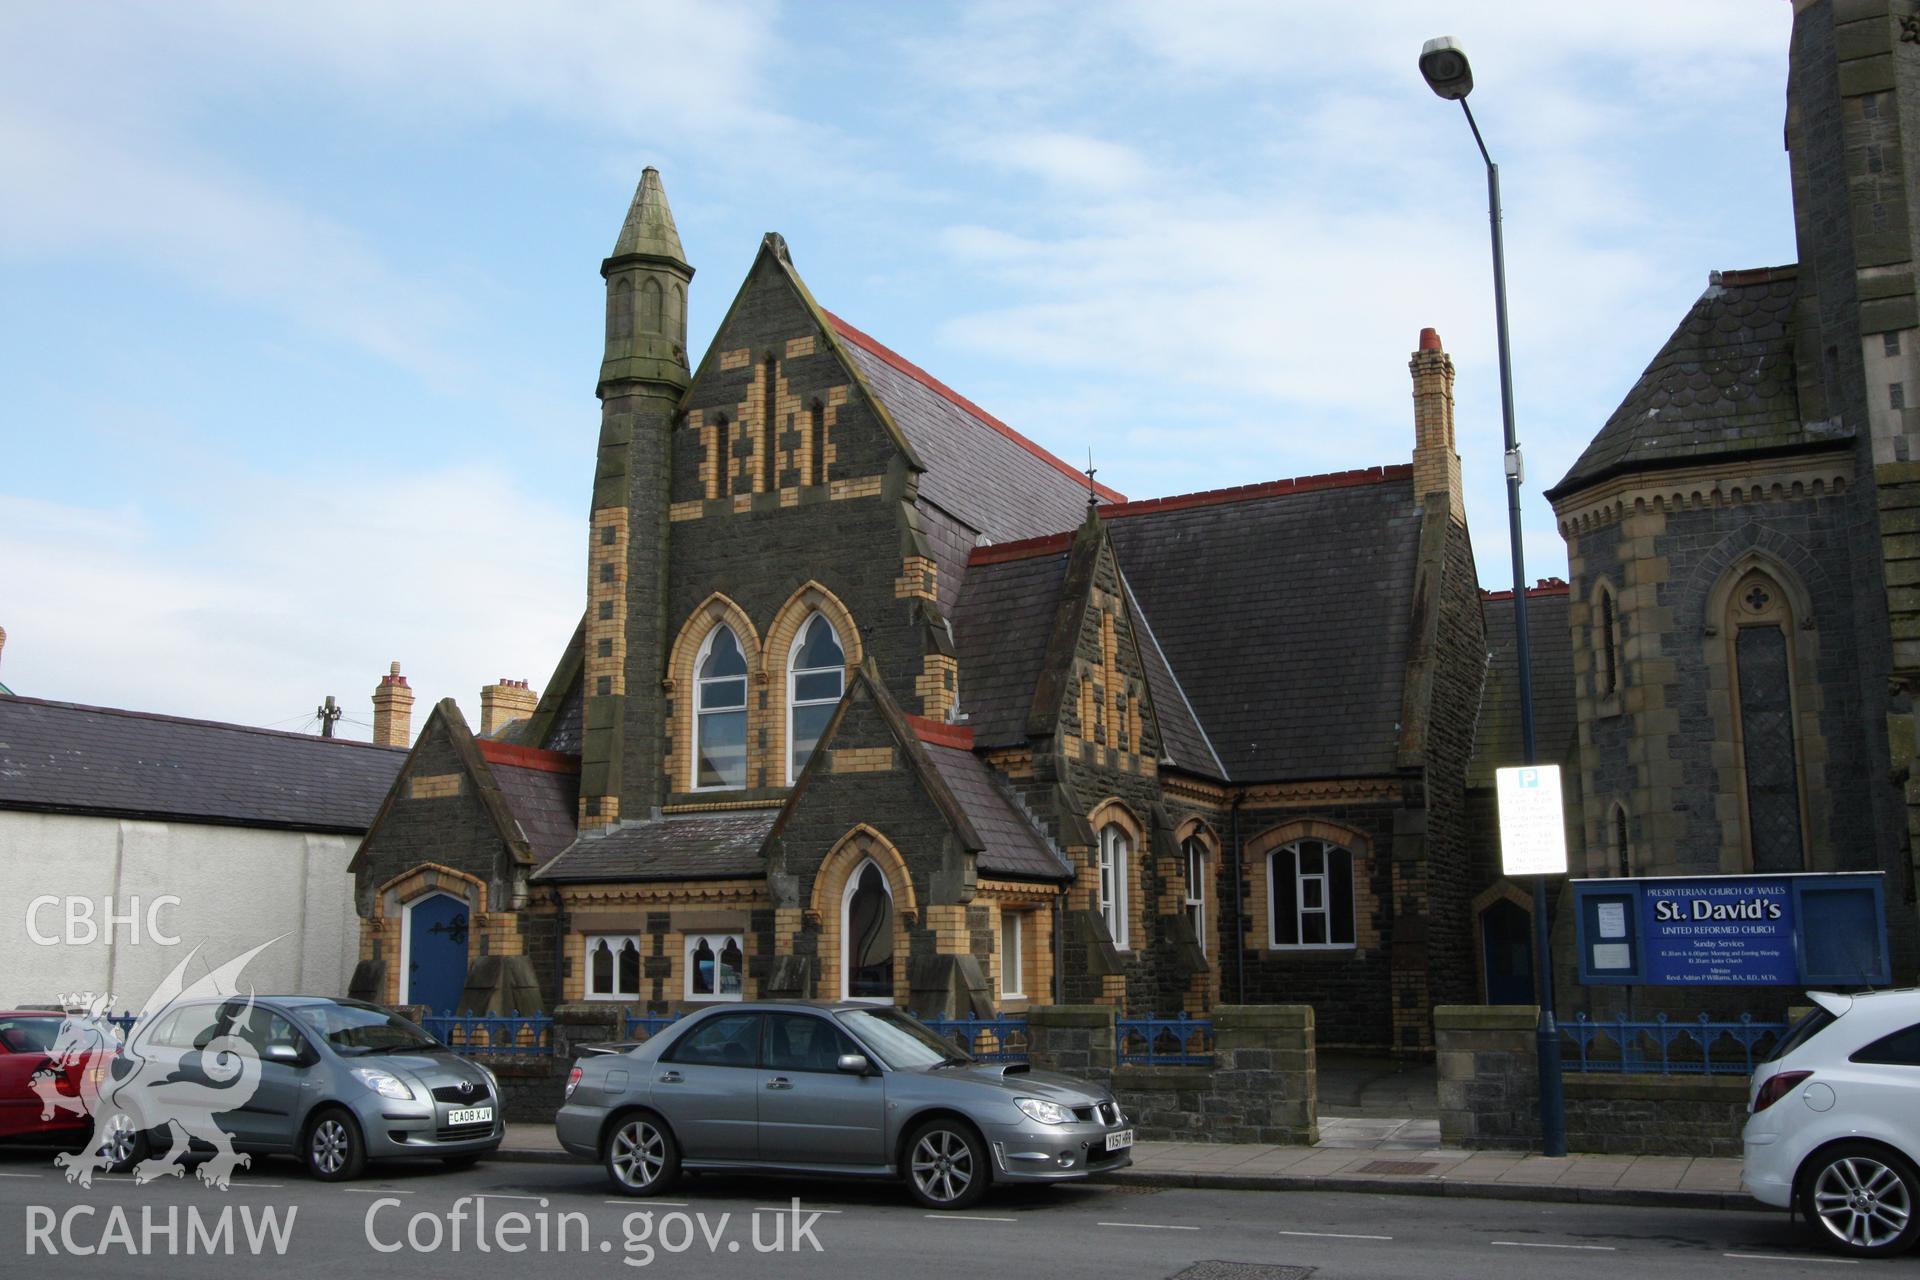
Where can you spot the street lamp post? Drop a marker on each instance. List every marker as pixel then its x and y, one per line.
pixel 1448 74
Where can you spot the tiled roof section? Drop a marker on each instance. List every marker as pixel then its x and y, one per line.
pixel 694 846
pixel 542 791
pixel 1282 610
pixel 1182 740
pixel 1012 845
pixel 978 468
pixel 66 758
pixel 1496 738
pixel 1000 634
pixel 1723 383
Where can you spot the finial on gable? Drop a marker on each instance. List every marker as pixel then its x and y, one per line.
pixel 778 243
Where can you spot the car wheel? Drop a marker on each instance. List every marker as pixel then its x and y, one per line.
pixel 334 1150
pixel 124 1145
pixel 640 1155
pixel 946 1165
pixel 1862 1199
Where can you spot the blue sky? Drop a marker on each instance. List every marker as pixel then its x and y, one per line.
pixel 300 304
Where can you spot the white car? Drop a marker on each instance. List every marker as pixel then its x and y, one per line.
pixel 1833 1122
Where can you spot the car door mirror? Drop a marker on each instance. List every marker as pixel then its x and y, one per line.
pixel 282 1051
pixel 854 1064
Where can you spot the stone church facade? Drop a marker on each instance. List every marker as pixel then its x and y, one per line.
pixel 873 698
pixel 1743 533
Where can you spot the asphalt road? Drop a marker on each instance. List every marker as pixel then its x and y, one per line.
pixel 719 1227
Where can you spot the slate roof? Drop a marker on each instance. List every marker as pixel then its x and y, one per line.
pixel 1722 384
pixel 700 846
pixel 542 791
pixel 1182 740
pixel 1496 739
pixel 62 757
pixel 978 468
pixel 1000 633
pixel 1012 846
pixel 1282 611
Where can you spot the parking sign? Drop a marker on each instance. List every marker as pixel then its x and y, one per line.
pixel 1533 829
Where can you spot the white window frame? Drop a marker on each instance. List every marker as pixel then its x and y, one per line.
pixel 793 681
pixel 1291 851
pixel 1011 929
pixel 846 933
pixel 1116 847
pixel 717 941
pixel 615 944
pixel 700 710
pixel 1195 853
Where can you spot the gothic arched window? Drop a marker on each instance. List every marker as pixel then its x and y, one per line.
pixel 720 712
pixel 816 677
pixel 1759 626
pixel 650 306
pixel 1609 646
pixel 620 309
pixel 866 936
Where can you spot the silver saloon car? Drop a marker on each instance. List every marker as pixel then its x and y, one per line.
pixel 849 1088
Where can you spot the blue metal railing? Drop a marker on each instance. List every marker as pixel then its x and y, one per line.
pixel 1663 1047
pixel 645 1026
pixel 508 1034
pixel 989 1039
pixel 1160 1042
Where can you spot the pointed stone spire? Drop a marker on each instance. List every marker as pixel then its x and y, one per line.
pixel 649 229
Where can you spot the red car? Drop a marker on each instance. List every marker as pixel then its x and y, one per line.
pixel 31 1083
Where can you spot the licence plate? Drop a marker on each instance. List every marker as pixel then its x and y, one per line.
pixel 1120 1140
pixel 484 1115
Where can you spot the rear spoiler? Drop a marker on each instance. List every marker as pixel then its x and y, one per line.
pixel 619 1046
pixel 1832 1001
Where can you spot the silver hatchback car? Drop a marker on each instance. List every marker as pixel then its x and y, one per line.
pixel 849 1088
pixel 339 1082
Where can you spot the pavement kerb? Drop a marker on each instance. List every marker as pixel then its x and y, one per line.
pixel 1452 1188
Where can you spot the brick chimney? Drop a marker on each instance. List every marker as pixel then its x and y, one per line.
pixel 393 710
pixel 503 703
pixel 1436 466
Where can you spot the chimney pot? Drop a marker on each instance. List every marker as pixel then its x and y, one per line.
pixel 1430 340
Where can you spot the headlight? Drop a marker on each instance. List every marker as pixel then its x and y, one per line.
pixel 1043 1111
pixel 493 1081
pixel 384 1083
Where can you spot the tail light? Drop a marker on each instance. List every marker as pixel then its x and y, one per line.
pixel 573 1081
pixel 1779 1087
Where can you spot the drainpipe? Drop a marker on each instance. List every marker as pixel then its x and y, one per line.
pixel 559 946
pixel 1058 954
pixel 1239 906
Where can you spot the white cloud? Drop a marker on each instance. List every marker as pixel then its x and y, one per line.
pixel 289 591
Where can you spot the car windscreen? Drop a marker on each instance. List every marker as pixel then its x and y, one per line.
pixel 28 1035
pixel 899 1040
pixel 1805 1028
pixel 351 1029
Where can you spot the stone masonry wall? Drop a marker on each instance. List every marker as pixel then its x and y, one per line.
pixel 1260 1088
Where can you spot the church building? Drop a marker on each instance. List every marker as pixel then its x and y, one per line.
pixel 873 698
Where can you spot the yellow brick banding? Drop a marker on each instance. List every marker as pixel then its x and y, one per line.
pixel 860 759
pixel 434 786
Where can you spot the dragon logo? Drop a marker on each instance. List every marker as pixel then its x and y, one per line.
pixel 186 1059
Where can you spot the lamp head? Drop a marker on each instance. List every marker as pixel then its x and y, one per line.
pixel 1444 63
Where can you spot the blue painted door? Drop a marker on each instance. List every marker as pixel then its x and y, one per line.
pixel 437 952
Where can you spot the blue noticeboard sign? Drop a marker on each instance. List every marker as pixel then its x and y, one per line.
pixel 1791 930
